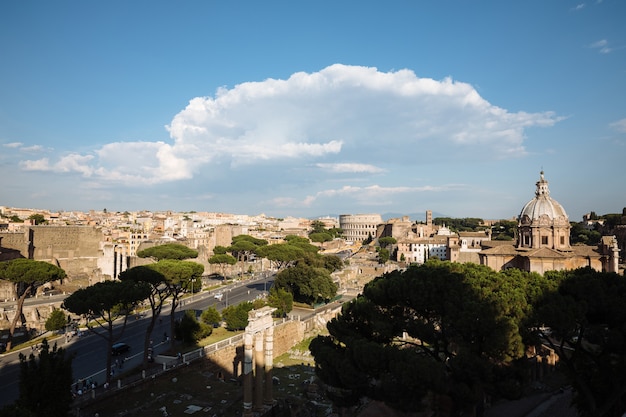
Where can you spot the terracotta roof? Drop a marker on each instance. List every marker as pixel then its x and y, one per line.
pixel 508 249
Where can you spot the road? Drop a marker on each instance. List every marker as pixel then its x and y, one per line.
pixel 90 350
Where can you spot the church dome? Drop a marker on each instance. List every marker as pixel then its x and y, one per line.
pixel 542 205
pixel 543 222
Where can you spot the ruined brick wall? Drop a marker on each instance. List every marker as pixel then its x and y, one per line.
pixel 230 359
pixel 35 316
pixel 74 248
pixel 65 242
pixel 13 245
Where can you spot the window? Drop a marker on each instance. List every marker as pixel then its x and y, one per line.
pixel 544 240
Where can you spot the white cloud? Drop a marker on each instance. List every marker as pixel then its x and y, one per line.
pixel 602 46
pixel 68 163
pixel 370 195
pixel 33 148
pixel 320 120
pixel 12 145
pixel 578 7
pixel 42 164
pixel 350 168
pixel 619 125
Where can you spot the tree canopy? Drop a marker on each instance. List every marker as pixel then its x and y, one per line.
pixel 307 284
pixel 38 219
pixel 56 321
pixel 45 383
pixel 584 321
pixel 281 300
pixel 168 251
pixel 26 275
pixel 180 277
pixel 466 224
pixel 318 228
pixel 222 259
pixel 103 303
pixel 441 327
pixel 281 254
pixel 236 316
pixel 159 291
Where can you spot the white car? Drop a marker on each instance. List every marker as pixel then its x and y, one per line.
pixel 219 296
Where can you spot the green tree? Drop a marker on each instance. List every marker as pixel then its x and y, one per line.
pixel 504 230
pixel 220 250
pixel 330 262
pixel 222 259
pixel 587 322
pixel 56 321
pixel 46 382
pixel 168 251
pixel 467 224
pixel 281 300
pixel 247 238
pixel 180 277
pixel 236 316
pixel 383 255
pixel 387 241
pixel 243 246
pixel 450 329
pixel 38 219
pixel 320 237
pixel 190 330
pixel 26 275
pixel 317 226
pixel 211 316
pixel 159 291
pixel 104 303
pixel 307 284
pixel 281 255
pixel 15 219
pixel 579 234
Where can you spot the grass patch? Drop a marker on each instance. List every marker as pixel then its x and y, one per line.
pixel 218 334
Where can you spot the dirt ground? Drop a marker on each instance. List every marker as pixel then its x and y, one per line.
pixel 197 387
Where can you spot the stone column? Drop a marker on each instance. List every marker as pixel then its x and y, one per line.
pixel 247 375
pixel 269 363
pixel 259 365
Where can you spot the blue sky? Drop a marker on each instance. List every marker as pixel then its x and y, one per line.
pixel 307 109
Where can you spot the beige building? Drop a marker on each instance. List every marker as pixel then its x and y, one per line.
pixel 543 242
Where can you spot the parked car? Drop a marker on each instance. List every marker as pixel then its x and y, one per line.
pixel 119 348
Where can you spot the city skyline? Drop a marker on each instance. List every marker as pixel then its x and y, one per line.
pixel 313 110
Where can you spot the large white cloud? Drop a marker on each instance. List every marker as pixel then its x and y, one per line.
pixel 343 120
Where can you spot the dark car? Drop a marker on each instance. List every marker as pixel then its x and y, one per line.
pixel 119 348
